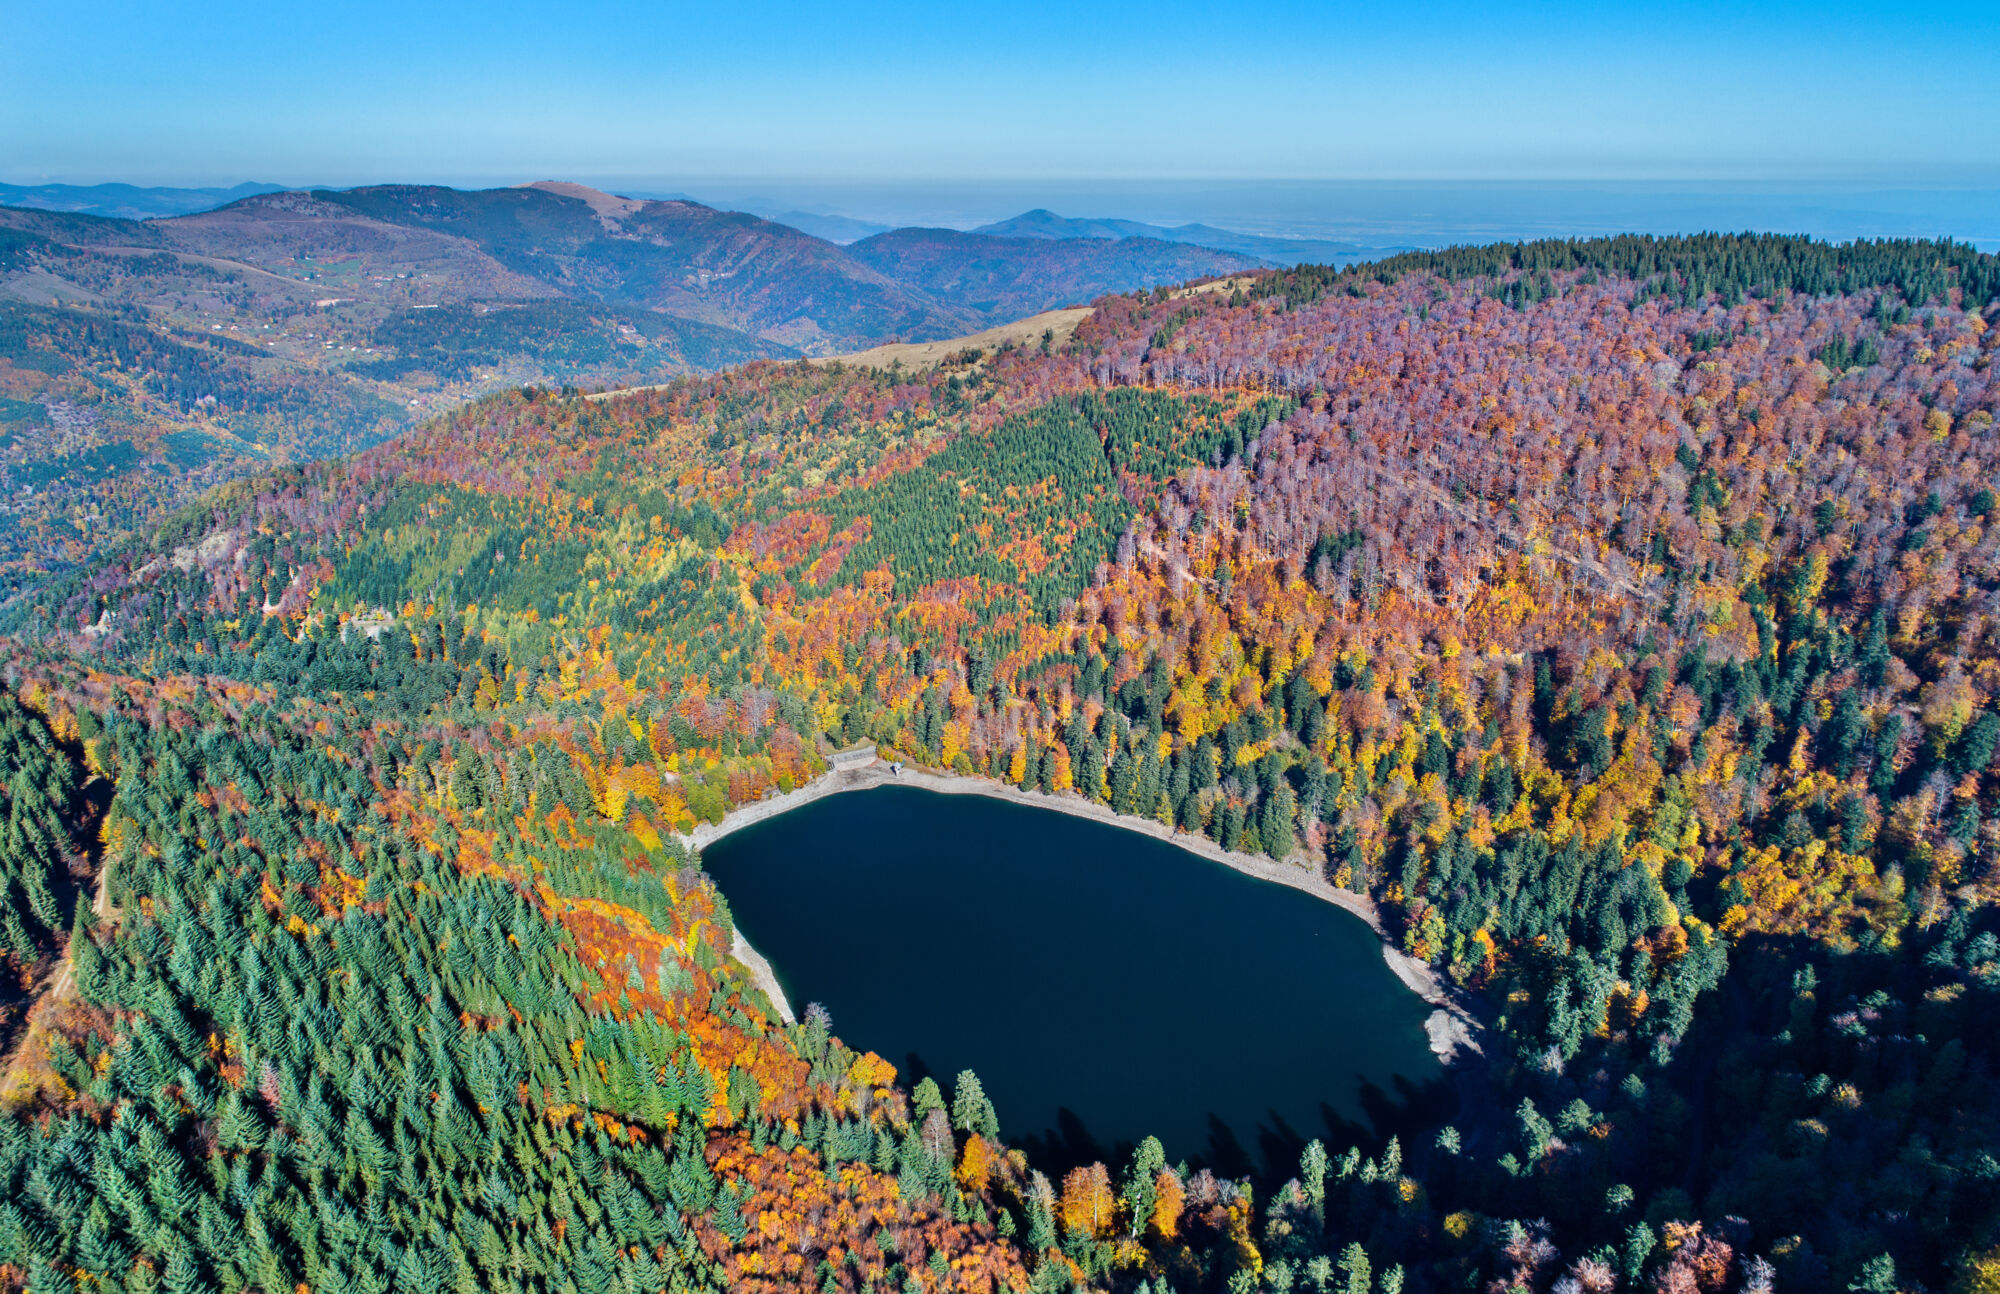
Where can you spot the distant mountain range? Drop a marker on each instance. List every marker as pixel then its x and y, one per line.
pixel 127 201
pixel 149 358
pixel 133 202
pixel 1042 223
pixel 833 227
pixel 785 290
pixel 1000 279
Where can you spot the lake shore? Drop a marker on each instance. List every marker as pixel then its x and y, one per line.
pixel 762 975
pixel 1451 1027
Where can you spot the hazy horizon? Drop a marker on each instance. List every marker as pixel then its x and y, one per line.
pixel 1436 121
pixel 1371 213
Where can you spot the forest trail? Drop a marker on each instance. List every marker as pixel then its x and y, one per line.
pixel 60 988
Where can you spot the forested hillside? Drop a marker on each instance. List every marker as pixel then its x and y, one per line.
pixel 143 361
pixel 1616 616
pixel 109 419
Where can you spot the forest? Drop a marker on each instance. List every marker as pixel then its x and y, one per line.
pixel 564 337
pixel 131 417
pixel 1617 617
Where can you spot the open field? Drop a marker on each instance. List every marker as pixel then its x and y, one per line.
pixel 929 354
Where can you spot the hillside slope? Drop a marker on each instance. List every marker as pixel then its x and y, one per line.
pixel 346 315
pixel 723 267
pixel 142 362
pixel 1048 329
pixel 1615 617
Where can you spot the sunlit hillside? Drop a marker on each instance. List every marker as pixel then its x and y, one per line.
pixel 1610 620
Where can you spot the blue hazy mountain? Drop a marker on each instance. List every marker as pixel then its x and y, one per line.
pixel 127 201
pixel 833 228
pixel 1043 223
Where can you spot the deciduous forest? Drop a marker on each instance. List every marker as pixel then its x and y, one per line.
pixel 1619 617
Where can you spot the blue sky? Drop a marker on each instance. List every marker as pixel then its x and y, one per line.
pixel 637 94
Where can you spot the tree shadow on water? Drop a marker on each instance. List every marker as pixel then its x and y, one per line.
pixel 1225 1154
pixel 1412 1106
pixel 1266 1151
pixel 1067 1145
pixel 1409 1108
pixel 915 1071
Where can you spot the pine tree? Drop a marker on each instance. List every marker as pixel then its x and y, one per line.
pixel 1312 1178
pixel 1139 1192
pixel 971 1110
pixel 1354 1266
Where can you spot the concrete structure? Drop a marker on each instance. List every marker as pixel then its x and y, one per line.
pixel 854 757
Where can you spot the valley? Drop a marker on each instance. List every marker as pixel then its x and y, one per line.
pixel 143 361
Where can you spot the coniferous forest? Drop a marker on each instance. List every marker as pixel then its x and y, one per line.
pixel 1619 618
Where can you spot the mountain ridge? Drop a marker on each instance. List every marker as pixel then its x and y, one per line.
pixel 989 273
pixel 129 201
pixel 327 319
pixel 1043 223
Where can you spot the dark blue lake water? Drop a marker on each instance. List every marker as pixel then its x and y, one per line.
pixel 1104 985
